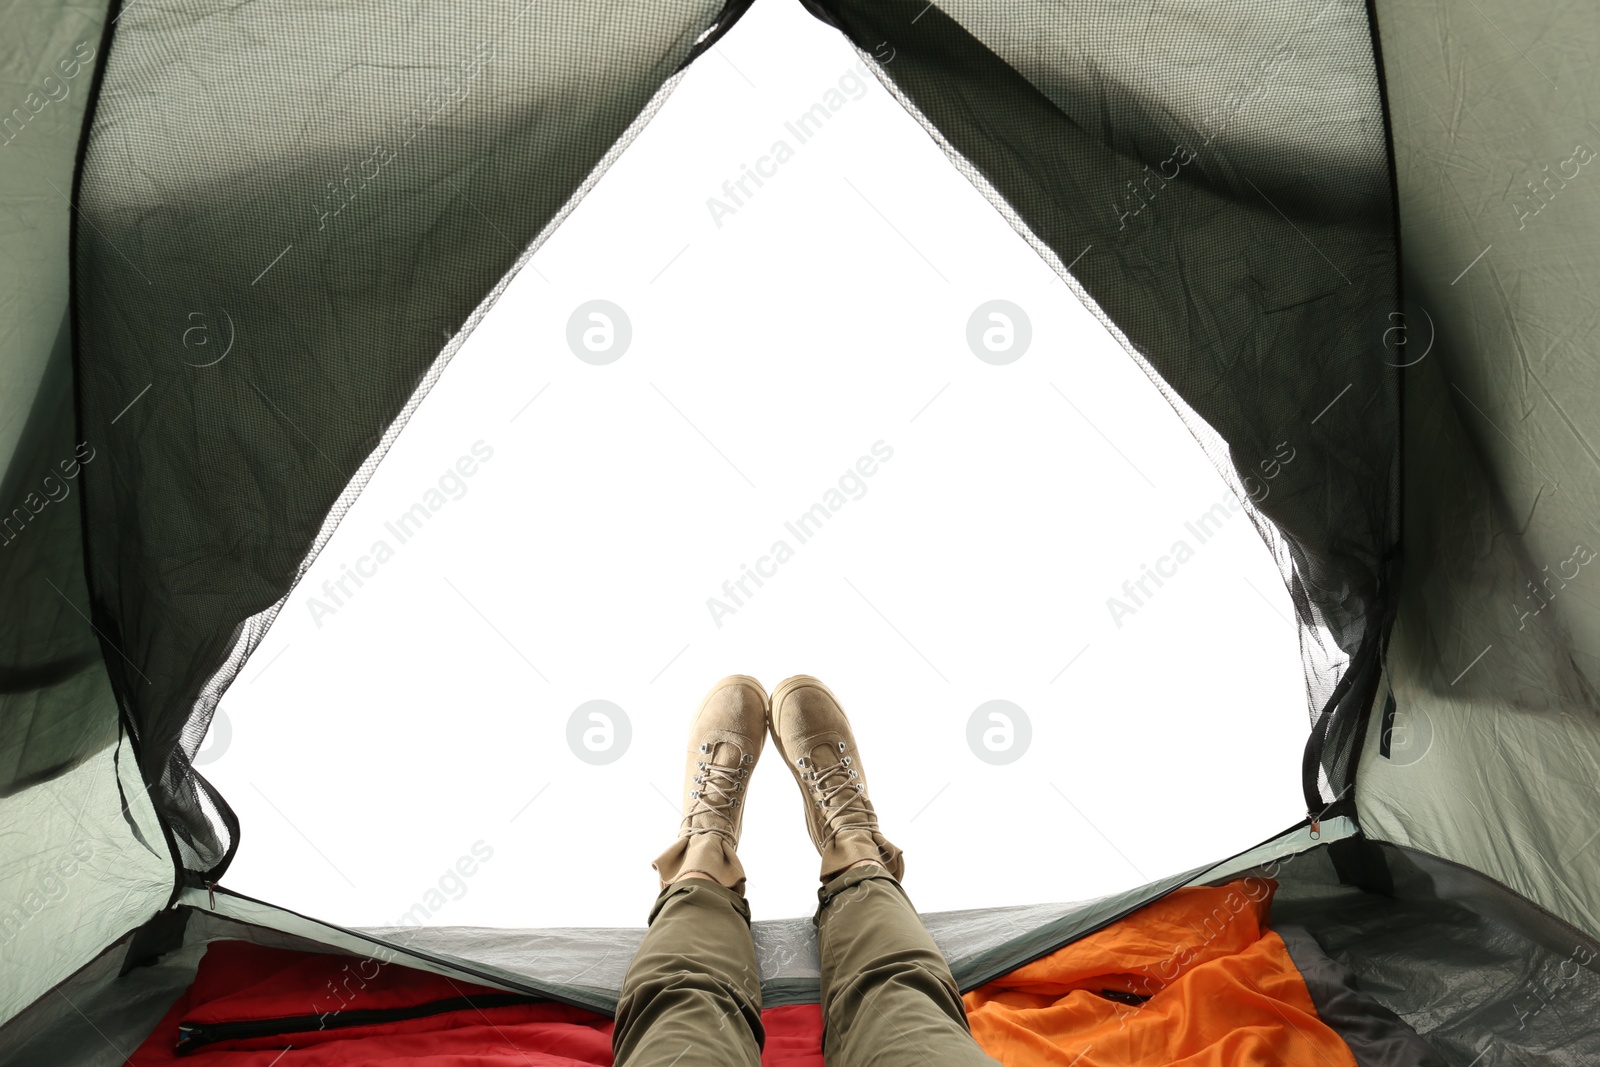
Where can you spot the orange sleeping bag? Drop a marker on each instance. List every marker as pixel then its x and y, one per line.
pixel 1192 980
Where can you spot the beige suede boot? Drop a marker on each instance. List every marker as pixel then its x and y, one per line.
pixel 814 737
pixel 725 741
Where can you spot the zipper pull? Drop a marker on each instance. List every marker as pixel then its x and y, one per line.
pixel 211 893
pixel 1316 826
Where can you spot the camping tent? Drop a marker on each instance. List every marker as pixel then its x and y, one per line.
pixel 1358 229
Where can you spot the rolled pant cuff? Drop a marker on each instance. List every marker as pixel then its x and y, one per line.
pixel 683 885
pixel 845 879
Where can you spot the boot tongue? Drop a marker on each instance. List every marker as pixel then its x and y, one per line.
pixel 823 755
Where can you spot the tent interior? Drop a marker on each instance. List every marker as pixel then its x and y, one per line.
pixel 1361 229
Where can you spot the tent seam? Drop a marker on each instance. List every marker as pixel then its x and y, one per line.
pixel 100 619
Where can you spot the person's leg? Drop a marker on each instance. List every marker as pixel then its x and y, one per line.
pixel 692 994
pixel 888 998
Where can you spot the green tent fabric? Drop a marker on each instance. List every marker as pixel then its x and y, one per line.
pixel 242 242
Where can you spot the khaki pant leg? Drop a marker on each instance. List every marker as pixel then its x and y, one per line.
pixel 888 998
pixel 692 995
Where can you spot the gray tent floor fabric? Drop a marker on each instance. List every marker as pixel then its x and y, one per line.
pixel 588 964
pixel 1485 977
pixel 1377 1037
pixel 786 949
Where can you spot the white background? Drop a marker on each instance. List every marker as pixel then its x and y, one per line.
pixel 365 751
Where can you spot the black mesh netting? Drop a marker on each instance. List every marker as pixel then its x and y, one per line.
pixel 288 212
pixel 291 213
pixel 1216 179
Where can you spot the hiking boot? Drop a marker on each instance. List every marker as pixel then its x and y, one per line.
pixel 725 741
pixel 814 737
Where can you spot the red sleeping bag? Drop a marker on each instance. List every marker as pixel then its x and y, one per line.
pixel 248 1004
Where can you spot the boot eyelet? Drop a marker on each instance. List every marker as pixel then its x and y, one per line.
pixel 800 762
pixel 845 761
pixel 736 802
pixel 747 759
pixel 694 794
pixel 852 774
pixel 705 746
pixel 700 763
pixel 841 746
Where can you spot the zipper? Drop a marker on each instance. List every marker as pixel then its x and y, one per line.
pixel 195 1035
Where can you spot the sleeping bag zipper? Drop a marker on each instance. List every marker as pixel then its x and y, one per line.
pixel 195 1035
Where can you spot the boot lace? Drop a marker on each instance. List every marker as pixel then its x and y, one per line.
pixel 718 793
pixel 837 792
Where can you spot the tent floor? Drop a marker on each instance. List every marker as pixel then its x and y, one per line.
pixel 1485 977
